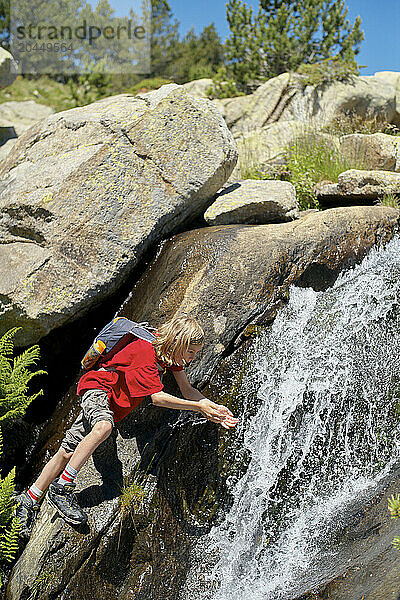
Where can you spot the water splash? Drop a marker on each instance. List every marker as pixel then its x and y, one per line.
pixel 326 431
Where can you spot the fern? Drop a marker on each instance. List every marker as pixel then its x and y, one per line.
pixel 15 377
pixel 6 498
pixel 9 541
pixel 6 342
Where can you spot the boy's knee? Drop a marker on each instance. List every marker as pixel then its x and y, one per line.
pixel 64 453
pixel 102 429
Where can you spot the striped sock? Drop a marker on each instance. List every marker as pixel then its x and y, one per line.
pixel 68 475
pixel 34 494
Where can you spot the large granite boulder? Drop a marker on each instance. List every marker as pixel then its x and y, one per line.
pixel 286 98
pixel 391 78
pixel 8 68
pixel 360 185
pixel 254 201
pixel 87 191
pixel 376 151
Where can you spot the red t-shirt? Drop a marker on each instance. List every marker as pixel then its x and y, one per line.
pixel 136 376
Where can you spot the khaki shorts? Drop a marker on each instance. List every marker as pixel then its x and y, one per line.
pixel 95 408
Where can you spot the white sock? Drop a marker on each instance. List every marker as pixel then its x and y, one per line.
pixel 34 494
pixel 68 475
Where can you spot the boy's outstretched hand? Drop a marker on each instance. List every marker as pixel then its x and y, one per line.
pixel 217 413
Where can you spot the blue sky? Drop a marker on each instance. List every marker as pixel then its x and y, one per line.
pixel 380 50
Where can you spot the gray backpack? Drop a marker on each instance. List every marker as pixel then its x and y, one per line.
pixel 112 333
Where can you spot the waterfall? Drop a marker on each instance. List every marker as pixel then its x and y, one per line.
pixel 320 429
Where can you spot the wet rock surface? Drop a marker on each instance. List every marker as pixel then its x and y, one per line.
pixel 366 565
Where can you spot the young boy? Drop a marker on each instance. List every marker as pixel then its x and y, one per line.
pixel 121 381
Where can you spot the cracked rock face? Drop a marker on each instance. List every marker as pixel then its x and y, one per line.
pixel 85 192
pixel 286 98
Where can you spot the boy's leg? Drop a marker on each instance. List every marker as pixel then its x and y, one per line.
pixel 97 423
pixel 94 409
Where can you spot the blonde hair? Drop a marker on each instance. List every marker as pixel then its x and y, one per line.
pixel 175 336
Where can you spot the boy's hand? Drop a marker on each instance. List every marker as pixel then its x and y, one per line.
pixel 217 413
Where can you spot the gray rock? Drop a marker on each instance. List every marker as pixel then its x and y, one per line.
pixel 8 68
pixel 198 87
pixel 359 185
pixel 22 115
pixel 253 201
pixel 391 78
pixel 5 149
pixel 285 98
pixel 376 151
pixel 85 193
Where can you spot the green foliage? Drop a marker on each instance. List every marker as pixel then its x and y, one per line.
pixel 194 57
pixel 222 86
pixel 346 124
pixel 394 509
pixel 328 70
pixel 312 159
pixel 390 200
pixel 41 585
pixel 5 23
pixel 286 34
pixel 132 496
pixel 9 541
pixel 15 376
pixel 164 37
pixel 149 84
pixel 394 506
pixel 90 86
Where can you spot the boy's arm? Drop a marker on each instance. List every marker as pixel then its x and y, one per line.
pixel 187 391
pixel 194 400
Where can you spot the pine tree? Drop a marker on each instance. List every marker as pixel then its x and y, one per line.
pixel 286 34
pixel 5 23
pixel 164 38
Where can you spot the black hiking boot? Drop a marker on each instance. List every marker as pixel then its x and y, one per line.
pixel 26 512
pixel 63 499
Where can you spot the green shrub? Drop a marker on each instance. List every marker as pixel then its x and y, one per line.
pixel 223 86
pixel 149 84
pixel 347 123
pixel 329 70
pixel 312 159
pixel 389 200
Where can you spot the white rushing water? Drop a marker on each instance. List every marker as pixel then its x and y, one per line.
pixel 320 429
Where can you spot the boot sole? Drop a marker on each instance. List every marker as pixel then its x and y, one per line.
pixel 67 519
